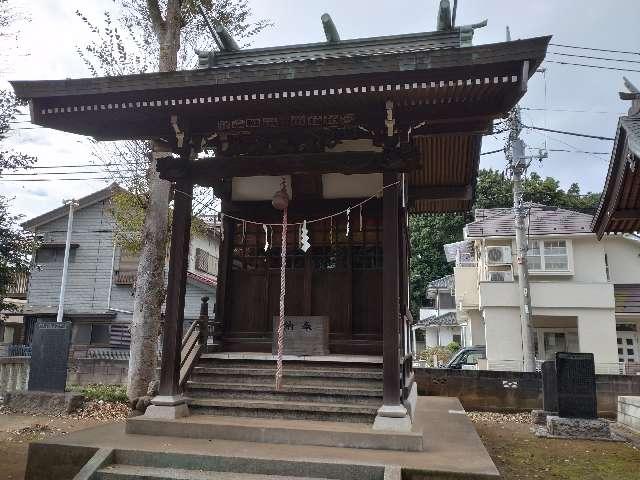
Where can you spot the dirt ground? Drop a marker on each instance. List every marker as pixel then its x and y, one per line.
pixel 16 431
pixel 518 454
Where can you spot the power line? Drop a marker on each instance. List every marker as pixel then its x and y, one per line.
pixel 493 151
pixel 53 179
pixel 567 110
pixel 592 66
pixel 569 133
pixel 595 58
pixel 82 172
pixel 572 151
pixel 594 49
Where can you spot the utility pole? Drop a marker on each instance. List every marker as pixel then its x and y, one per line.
pixel 65 266
pixel 518 164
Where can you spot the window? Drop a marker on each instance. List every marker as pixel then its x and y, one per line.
pixel 54 255
pixel 92 334
pixel 205 262
pixel 457 338
pixel 548 256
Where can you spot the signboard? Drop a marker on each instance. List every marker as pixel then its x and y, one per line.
pixel 304 335
pixel 576 381
pixel 50 352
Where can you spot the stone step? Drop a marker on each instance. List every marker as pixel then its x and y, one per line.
pixel 288 371
pixel 268 379
pixel 295 362
pixel 325 411
pixel 241 467
pixel 298 393
pixel 135 472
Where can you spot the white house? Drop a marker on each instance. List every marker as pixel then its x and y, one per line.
pixel 438 320
pixel 585 293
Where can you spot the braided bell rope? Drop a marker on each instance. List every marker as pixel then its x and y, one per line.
pixel 283 265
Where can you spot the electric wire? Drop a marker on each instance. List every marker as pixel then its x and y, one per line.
pixel 564 132
pixel 595 58
pixel 627 52
pixel 601 67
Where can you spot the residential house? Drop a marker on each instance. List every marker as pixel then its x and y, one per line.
pixel 101 276
pixel 438 320
pixel 585 294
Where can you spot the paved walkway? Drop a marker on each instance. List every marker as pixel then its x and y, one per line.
pixel 451 444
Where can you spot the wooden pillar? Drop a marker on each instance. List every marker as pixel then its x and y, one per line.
pixel 224 274
pixel 174 312
pixel 390 293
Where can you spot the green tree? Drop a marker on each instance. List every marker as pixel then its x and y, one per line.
pixel 152 35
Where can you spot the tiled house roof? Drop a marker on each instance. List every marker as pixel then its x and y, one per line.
pixel 442 283
pixel 542 220
pixel 448 319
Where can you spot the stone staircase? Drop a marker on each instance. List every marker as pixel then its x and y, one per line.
pixel 312 390
pixel 138 465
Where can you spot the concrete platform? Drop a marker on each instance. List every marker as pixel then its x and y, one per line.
pixel 450 442
pixel 288 432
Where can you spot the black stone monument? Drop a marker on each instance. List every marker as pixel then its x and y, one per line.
pixel 549 386
pixel 576 383
pixel 49 358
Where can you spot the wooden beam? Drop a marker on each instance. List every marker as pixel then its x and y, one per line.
pixel 524 78
pixel 298 210
pixel 391 293
pixel 206 169
pixel 176 288
pixel 438 192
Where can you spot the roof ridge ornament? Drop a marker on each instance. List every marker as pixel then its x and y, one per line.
pixel 330 30
pixel 222 38
pixel 447 21
pixel 633 94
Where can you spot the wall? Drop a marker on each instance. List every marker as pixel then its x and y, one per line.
pixel 87 371
pixel 503 338
pixel 89 272
pixel 500 391
pixel 466 286
pixel 623 256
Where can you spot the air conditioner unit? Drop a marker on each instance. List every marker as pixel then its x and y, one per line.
pixel 502 276
pixel 499 255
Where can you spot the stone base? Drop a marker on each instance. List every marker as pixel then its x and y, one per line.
pixel 43 403
pixel 585 428
pixel 392 417
pixel 167 407
pixel 539 417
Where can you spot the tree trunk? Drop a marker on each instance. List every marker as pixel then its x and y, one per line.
pixel 150 288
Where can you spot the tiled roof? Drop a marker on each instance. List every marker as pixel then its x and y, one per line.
pixel 627 298
pixel 542 220
pixel 451 250
pixel 448 319
pixel 439 283
pixel 618 208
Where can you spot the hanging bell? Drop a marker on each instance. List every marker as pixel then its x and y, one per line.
pixel 281 198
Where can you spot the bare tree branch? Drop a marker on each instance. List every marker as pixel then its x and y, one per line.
pixel 156 16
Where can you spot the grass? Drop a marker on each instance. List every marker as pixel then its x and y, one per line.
pixel 108 393
pixel 518 454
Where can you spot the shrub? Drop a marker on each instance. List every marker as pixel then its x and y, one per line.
pixel 108 393
pixel 453 347
pixel 443 354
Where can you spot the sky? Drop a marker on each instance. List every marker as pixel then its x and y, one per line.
pixel 564 97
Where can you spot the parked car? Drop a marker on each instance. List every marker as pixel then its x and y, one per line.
pixel 467 356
